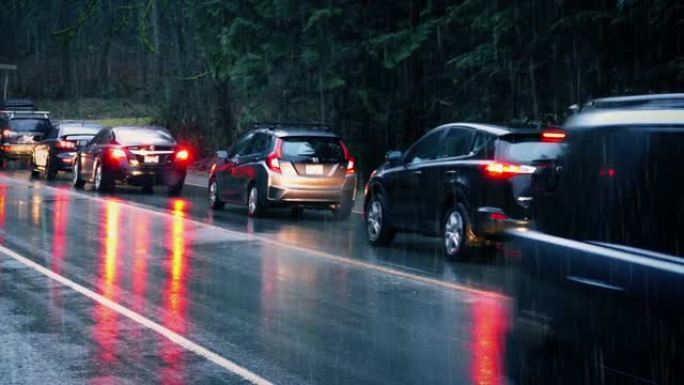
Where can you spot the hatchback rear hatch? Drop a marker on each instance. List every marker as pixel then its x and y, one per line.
pixel 320 160
pixel 25 130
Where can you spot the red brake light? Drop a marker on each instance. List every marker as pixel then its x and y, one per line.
pixel 182 155
pixel 117 153
pixel 66 145
pixel 273 159
pixel 351 161
pixel 553 135
pixel 501 170
pixel 609 172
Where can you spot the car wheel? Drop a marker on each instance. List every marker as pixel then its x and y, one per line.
pixel 380 233
pixel 76 175
pixel 255 202
pixel 50 171
pixel 175 189
pixel 214 200
pixel 344 209
pixel 455 230
pixel 32 167
pixel 297 212
pixel 102 183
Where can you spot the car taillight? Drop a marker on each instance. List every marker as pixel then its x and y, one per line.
pixel 500 170
pixel 117 154
pixel 182 155
pixel 351 161
pixel 65 145
pixel 273 159
pixel 6 133
pixel 553 135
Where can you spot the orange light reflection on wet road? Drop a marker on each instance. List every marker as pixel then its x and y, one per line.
pixel 106 329
pixel 3 213
pixel 175 295
pixel 490 323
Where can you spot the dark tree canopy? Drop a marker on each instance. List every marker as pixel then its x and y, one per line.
pixel 383 72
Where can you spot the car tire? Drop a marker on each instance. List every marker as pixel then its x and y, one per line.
pixel 344 209
pixel 214 201
pixel 102 180
pixel 32 167
pixel 456 231
pixel 50 172
pixel 379 232
pixel 76 180
pixel 255 202
pixel 297 212
pixel 175 189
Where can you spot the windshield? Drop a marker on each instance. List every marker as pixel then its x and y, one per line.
pixel 324 148
pixel 528 152
pixel 126 136
pixel 29 125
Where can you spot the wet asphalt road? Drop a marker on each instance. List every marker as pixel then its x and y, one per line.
pixel 291 301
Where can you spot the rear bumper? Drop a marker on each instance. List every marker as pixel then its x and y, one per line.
pixel 281 193
pixel 493 222
pixel 158 176
pixel 17 151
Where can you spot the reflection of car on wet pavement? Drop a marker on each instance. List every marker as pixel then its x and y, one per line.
pixel 463 182
pixel 285 165
pixel 139 156
pixel 609 245
pixel 19 132
pixel 57 150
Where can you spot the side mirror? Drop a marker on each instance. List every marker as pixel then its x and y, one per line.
pixel 223 155
pixel 393 157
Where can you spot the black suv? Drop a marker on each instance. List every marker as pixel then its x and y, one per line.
pixel 464 182
pixel 20 130
pixel 607 248
pixel 296 165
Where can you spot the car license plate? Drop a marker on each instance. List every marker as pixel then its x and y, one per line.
pixel 151 159
pixel 314 169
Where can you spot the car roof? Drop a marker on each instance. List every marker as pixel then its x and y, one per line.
pixel 649 101
pixel 489 128
pixel 626 117
pixel 286 129
pixel 82 123
pixel 128 128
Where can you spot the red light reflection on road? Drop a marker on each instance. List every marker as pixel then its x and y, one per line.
pixel 3 213
pixel 60 224
pixel 106 328
pixel 176 297
pixel 140 254
pixel 490 323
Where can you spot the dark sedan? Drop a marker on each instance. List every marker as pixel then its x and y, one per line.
pixel 138 156
pixel 464 182
pixel 57 151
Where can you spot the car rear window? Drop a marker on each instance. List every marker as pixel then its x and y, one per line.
pixel 127 136
pixel 77 129
pixel 528 151
pixel 324 148
pixel 29 125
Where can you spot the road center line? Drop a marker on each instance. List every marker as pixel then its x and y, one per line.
pixel 176 338
pixel 318 253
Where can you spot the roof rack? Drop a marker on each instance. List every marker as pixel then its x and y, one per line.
pixel 285 125
pixel 13 113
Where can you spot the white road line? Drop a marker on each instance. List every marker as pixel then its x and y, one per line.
pixel 304 250
pixel 205 187
pixel 176 338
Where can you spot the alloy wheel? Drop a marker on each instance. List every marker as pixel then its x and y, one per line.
pixel 374 221
pixel 252 200
pixel 212 193
pixel 453 232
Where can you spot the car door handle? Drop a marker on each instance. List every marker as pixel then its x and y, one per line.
pixel 450 172
pixel 417 172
